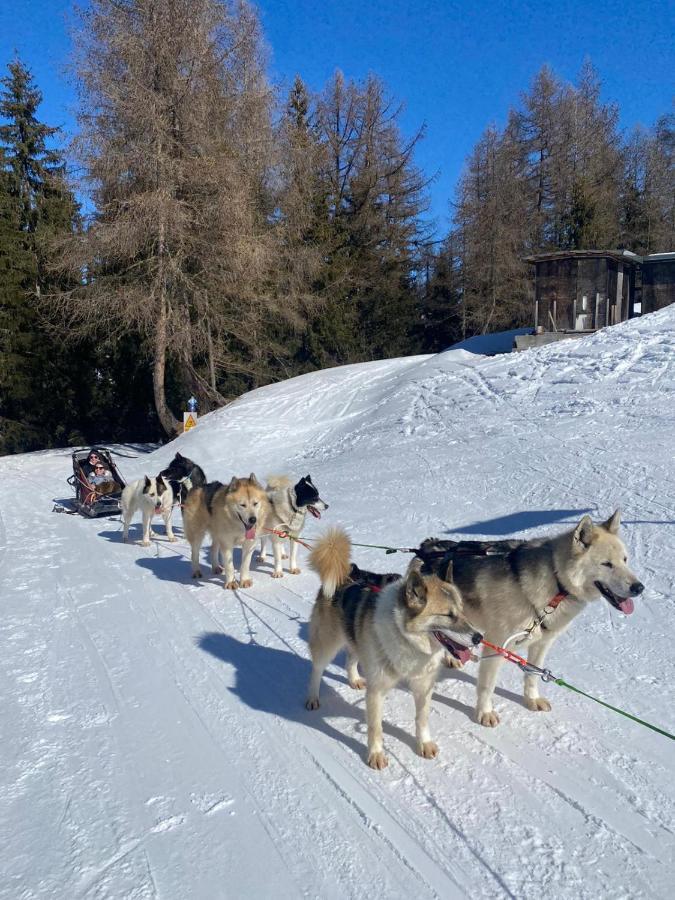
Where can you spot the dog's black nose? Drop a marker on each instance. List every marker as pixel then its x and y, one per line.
pixel 325 505
pixel 252 520
pixel 476 638
pixel 637 587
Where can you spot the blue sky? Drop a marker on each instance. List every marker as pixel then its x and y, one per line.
pixel 457 66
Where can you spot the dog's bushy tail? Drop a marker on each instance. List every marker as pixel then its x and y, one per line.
pixel 330 559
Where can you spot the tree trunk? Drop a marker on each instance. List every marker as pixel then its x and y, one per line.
pixel 169 423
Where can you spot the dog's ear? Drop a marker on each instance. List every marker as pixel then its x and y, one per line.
pixel 147 482
pixel 447 576
pixel 254 481
pixel 613 523
pixel 161 485
pixel 308 478
pixel 178 456
pixel 583 535
pixel 234 484
pixel 415 592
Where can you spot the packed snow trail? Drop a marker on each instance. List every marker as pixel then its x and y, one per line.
pixel 154 737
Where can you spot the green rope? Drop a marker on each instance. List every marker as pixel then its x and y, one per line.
pixel 563 683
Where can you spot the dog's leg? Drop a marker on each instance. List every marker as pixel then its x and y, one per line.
pixel 168 525
pixel 196 546
pixel 375 693
pixel 126 516
pixel 216 560
pixel 263 547
pixel 355 680
pixel 229 568
pixel 276 550
pixel 147 527
pixel 323 648
pixel 538 650
pixel 421 690
pixel 294 570
pixel 487 678
pixel 246 554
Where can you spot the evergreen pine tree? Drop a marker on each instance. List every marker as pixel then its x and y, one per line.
pixel 41 392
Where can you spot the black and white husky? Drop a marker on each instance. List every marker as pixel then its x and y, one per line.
pixel 154 497
pixel 184 474
pixel 290 505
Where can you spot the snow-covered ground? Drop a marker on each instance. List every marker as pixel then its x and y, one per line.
pixel 154 737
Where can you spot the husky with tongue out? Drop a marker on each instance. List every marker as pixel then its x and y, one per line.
pixel 289 505
pixel 233 515
pixel 532 590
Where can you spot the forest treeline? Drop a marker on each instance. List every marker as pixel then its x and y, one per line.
pixel 206 233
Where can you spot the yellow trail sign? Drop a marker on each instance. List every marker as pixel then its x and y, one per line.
pixel 189 421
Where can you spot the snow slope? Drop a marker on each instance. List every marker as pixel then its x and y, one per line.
pixel 154 738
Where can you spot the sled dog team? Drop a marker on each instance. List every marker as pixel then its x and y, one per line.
pixel 402 628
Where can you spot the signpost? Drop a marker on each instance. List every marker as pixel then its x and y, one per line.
pixel 190 417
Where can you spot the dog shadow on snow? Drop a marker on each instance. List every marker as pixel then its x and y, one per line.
pixel 503 526
pixel 275 681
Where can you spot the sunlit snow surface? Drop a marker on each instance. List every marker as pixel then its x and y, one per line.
pixel 154 737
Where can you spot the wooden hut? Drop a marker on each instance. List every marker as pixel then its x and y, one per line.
pixel 579 291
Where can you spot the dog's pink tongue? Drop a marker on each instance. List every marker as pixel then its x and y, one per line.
pixel 626 606
pixel 250 534
pixel 463 654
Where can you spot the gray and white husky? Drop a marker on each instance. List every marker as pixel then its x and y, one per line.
pixel 534 590
pixel 289 505
pixel 154 497
pixel 394 634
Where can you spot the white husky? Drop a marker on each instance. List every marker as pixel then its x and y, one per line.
pixel 153 496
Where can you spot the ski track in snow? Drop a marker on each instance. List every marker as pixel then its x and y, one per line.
pixel 155 741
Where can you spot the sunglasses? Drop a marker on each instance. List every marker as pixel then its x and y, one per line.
pixel 98 467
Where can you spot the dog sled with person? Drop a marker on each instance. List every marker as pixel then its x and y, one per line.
pixel 96 481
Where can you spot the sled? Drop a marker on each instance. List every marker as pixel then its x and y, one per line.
pixel 90 500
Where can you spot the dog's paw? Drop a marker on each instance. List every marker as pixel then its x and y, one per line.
pixel 277 574
pixel 247 583
pixel 538 704
pixel 145 543
pixel 231 585
pixel 217 570
pixel 359 684
pixel 312 703
pixel 490 718
pixel 173 539
pixel 295 571
pixel 197 573
pixel 429 749
pixel 452 663
pixel 377 760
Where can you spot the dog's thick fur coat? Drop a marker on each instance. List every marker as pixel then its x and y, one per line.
pixel 183 474
pixel 388 633
pixel 506 593
pixel 289 505
pixel 233 515
pixel 153 496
